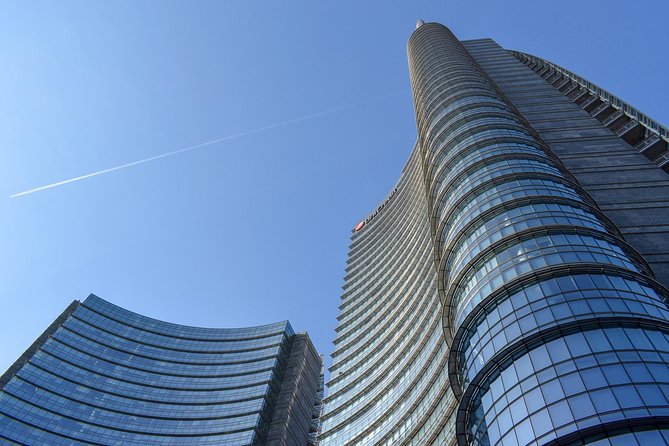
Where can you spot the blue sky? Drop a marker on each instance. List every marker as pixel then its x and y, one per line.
pixel 254 229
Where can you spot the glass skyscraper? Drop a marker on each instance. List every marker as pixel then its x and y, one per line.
pixel 102 375
pixel 511 288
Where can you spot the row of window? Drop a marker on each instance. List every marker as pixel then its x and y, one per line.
pixel 581 379
pixel 519 257
pixel 58 431
pixel 114 329
pixel 547 303
pixel 112 312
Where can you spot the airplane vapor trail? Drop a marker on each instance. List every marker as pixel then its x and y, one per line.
pixel 204 144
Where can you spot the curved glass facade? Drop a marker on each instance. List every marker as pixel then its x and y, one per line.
pixel 552 328
pixel 106 375
pixel 532 273
pixel 389 378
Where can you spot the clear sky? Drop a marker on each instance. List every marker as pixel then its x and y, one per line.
pixel 252 229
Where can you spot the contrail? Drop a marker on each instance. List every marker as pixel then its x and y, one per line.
pixel 204 144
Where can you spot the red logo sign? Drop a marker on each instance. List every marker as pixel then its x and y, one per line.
pixel 361 225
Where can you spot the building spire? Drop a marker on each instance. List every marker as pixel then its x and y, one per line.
pixel 419 23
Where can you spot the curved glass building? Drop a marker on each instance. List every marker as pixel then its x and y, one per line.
pixel 389 379
pixel 511 288
pixel 102 375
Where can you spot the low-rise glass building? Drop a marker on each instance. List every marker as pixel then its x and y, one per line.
pixel 103 375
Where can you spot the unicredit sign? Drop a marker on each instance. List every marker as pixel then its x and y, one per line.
pixel 362 224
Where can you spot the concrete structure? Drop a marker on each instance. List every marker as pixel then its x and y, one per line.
pixel 102 375
pixel 511 288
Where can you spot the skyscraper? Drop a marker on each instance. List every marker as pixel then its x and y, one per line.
pixel 102 375
pixel 511 288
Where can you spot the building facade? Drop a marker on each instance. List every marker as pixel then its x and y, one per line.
pixel 102 375
pixel 511 289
